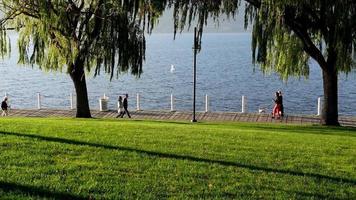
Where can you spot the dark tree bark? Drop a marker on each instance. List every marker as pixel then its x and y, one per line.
pixel 78 77
pixel 330 107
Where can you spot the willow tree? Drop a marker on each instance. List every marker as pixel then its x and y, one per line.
pixel 77 36
pixel 287 33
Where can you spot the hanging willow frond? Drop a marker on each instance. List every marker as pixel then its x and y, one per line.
pixel 111 34
pixel 292 31
pixel 106 35
pixel 285 33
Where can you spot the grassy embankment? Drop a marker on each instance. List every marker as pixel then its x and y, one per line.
pixel 111 159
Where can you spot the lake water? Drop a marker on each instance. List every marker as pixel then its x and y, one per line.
pixel 224 72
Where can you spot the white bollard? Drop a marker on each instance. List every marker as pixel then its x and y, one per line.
pixel 319 106
pixel 172 102
pixel 38 101
pixel 206 103
pixel 243 104
pixel 71 101
pixel 138 102
pixel 103 103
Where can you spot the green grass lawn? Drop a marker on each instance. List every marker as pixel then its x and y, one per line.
pixel 116 159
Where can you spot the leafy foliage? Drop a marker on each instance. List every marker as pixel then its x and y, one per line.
pixel 111 33
pixel 59 34
pixel 286 33
pixel 188 11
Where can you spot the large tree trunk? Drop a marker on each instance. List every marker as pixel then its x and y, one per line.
pixel 330 107
pixel 78 78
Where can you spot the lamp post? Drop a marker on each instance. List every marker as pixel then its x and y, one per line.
pixel 196 48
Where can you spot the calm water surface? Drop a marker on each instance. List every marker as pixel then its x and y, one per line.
pixel 224 71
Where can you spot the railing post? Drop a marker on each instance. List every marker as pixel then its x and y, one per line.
pixel 38 101
pixel 206 103
pixel 319 106
pixel 243 104
pixel 138 102
pixel 71 101
pixel 172 102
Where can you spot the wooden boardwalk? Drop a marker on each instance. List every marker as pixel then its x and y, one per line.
pixel 185 116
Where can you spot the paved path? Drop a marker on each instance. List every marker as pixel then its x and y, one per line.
pixel 186 116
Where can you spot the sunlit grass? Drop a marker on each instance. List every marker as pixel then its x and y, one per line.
pixel 112 159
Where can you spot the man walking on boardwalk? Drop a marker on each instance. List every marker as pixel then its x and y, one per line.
pixel 4 107
pixel 126 106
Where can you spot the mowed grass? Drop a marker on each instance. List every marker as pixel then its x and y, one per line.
pixel 118 159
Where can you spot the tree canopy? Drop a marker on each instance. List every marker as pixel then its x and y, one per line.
pixel 78 36
pixel 287 33
pixel 53 34
pixel 111 34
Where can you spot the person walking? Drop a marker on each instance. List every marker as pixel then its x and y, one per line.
pixel 281 103
pixel 120 107
pixel 277 106
pixel 4 107
pixel 125 104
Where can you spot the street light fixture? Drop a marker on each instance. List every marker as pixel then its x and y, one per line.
pixel 196 48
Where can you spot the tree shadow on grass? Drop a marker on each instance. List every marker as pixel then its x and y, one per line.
pixel 36 191
pixel 305 195
pixel 185 157
pixel 314 129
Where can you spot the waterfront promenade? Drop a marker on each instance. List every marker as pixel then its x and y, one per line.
pixel 184 116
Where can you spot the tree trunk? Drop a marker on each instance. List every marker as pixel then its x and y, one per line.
pixel 78 78
pixel 330 106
